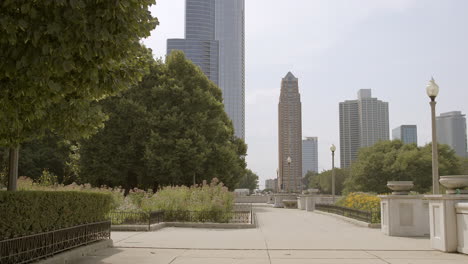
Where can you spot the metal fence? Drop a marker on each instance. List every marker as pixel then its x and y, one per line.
pixel 208 216
pixel 136 217
pixel 145 218
pixel 366 216
pixel 30 248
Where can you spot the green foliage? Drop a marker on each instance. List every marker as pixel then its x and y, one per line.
pixel 51 153
pixel 31 212
pixel 206 198
pixel 58 57
pixel 47 178
pixel 169 129
pixel 395 161
pixel 248 181
pixel 323 180
pixel 117 194
pixel 307 179
pixel 464 166
pixel 207 202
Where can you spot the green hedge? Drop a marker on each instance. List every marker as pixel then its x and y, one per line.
pixel 30 212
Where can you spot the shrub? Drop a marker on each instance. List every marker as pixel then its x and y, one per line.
pixel 360 201
pixel 206 197
pixel 364 202
pixel 30 212
pixel 117 194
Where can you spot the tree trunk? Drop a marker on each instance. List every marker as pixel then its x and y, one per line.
pixel 13 169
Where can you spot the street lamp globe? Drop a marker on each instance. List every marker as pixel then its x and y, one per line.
pixel 432 89
pixel 333 148
pixel 289 160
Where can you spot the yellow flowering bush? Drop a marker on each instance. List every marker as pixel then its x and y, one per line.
pixel 364 202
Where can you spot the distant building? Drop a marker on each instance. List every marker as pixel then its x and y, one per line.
pixel 451 130
pixel 215 41
pixel 363 122
pixel 271 184
pixel 406 133
pixel 309 155
pixel 290 135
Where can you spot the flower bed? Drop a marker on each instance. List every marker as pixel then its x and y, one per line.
pixel 364 202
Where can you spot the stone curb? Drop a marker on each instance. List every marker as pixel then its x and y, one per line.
pixel 72 255
pixel 350 220
pixel 158 226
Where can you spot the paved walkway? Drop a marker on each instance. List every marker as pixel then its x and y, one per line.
pixel 283 236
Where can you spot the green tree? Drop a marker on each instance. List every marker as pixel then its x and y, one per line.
pixel 395 161
pixel 306 180
pixel 114 156
pixel 323 181
pixel 59 57
pixel 248 181
pixel 169 130
pixel 51 153
pixel 464 165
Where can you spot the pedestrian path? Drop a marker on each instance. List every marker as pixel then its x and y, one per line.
pixel 282 236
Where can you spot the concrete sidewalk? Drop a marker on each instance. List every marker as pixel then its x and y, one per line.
pixel 282 236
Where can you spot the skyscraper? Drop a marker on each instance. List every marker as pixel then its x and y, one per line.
pixel 363 122
pixel 406 133
pixel 271 184
pixel 290 135
pixel 214 40
pixel 451 130
pixel 309 155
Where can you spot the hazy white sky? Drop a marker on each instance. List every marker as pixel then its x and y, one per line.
pixel 335 48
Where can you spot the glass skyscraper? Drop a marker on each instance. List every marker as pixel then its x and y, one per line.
pixel 214 40
pixel 309 155
pixel 406 133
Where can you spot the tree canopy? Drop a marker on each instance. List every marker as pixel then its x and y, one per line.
pixel 51 153
pixel 168 130
pixel 248 181
pixel 323 180
pixel 59 57
pixel 395 161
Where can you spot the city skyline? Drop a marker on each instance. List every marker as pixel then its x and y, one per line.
pixel 337 48
pixel 214 40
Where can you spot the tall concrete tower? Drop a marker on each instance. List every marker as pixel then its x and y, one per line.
pixel 290 135
pixel 214 40
pixel 363 122
pixel 451 130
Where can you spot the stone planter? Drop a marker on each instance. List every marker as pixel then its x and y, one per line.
pixel 445 228
pixel 454 182
pixel 279 197
pixel 462 223
pixel 310 203
pixel 400 187
pixel 301 201
pixel 404 215
pixel 270 199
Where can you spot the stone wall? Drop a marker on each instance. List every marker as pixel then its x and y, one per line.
pixel 251 199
